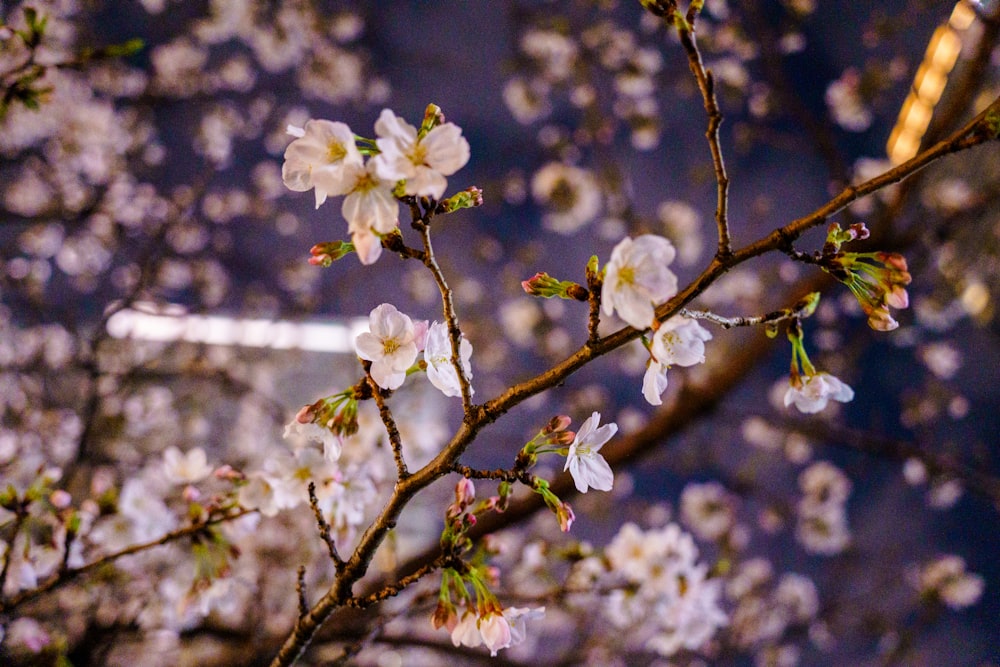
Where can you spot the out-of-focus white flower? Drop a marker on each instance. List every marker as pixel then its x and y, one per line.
pixel 311 431
pixel 437 354
pixel 816 391
pixel 588 468
pixel 824 483
pixel 422 161
pixel 822 529
pixel 708 509
pixel 517 617
pixel 570 194
pixel 390 345
pixel 187 468
pixel 264 493
pixel 843 98
pixel 947 579
pixel 318 158
pixel 637 279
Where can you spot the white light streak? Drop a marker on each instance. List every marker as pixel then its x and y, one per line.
pixel 172 324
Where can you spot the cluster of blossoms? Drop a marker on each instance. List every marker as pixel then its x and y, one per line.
pixel 877 279
pixel 329 159
pixel 665 595
pixel 483 621
pixel 822 510
pixel 765 611
pixel 394 341
pixel 946 579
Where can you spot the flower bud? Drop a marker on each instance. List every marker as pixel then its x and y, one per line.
pixel 543 285
pixel 566 517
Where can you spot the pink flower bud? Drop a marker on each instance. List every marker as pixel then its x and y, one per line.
pixel 60 499
pixel 557 423
pixel 566 517
pixel 465 492
pixel 305 415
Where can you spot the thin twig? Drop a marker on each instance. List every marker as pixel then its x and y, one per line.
pixel 450 317
pixel 395 439
pixel 706 84
pixel 300 589
pixel 324 529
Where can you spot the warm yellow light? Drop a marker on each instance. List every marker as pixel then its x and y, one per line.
pixel 943 49
pixel 929 84
pixel 903 144
pixel 961 17
pixel 975 298
pixel 916 115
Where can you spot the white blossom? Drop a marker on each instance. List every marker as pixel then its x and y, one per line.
pixel 187 468
pixel 318 158
pixel 422 161
pixel 311 431
pixel 437 353
pixel 816 391
pixel 390 345
pixel 678 341
pixel 637 279
pixel 588 468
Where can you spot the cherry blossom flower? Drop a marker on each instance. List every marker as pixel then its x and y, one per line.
pixel 495 630
pixel 588 468
pixel 637 279
pixel 947 579
pixel 466 631
pixel 437 354
pixel 368 207
pixel 318 158
pixel 389 346
pixel 679 341
pixel 423 161
pixel 815 391
pixel 311 431
pixel 517 617
pixel 188 468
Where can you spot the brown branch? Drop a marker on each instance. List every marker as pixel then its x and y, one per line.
pixel 395 439
pixel 450 317
pixel 706 84
pixel 324 529
pixel 479 416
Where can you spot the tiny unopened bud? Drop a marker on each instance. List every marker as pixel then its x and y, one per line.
pixel 566 517
pixel 557 423
pixel 465 492
pixel 468 198
pixel 880 320
pixel 543 285
pixel 306 414
pixel 227 472
pixel 191 494
pixel 893 260
pixel 325 254
pixel 444 616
